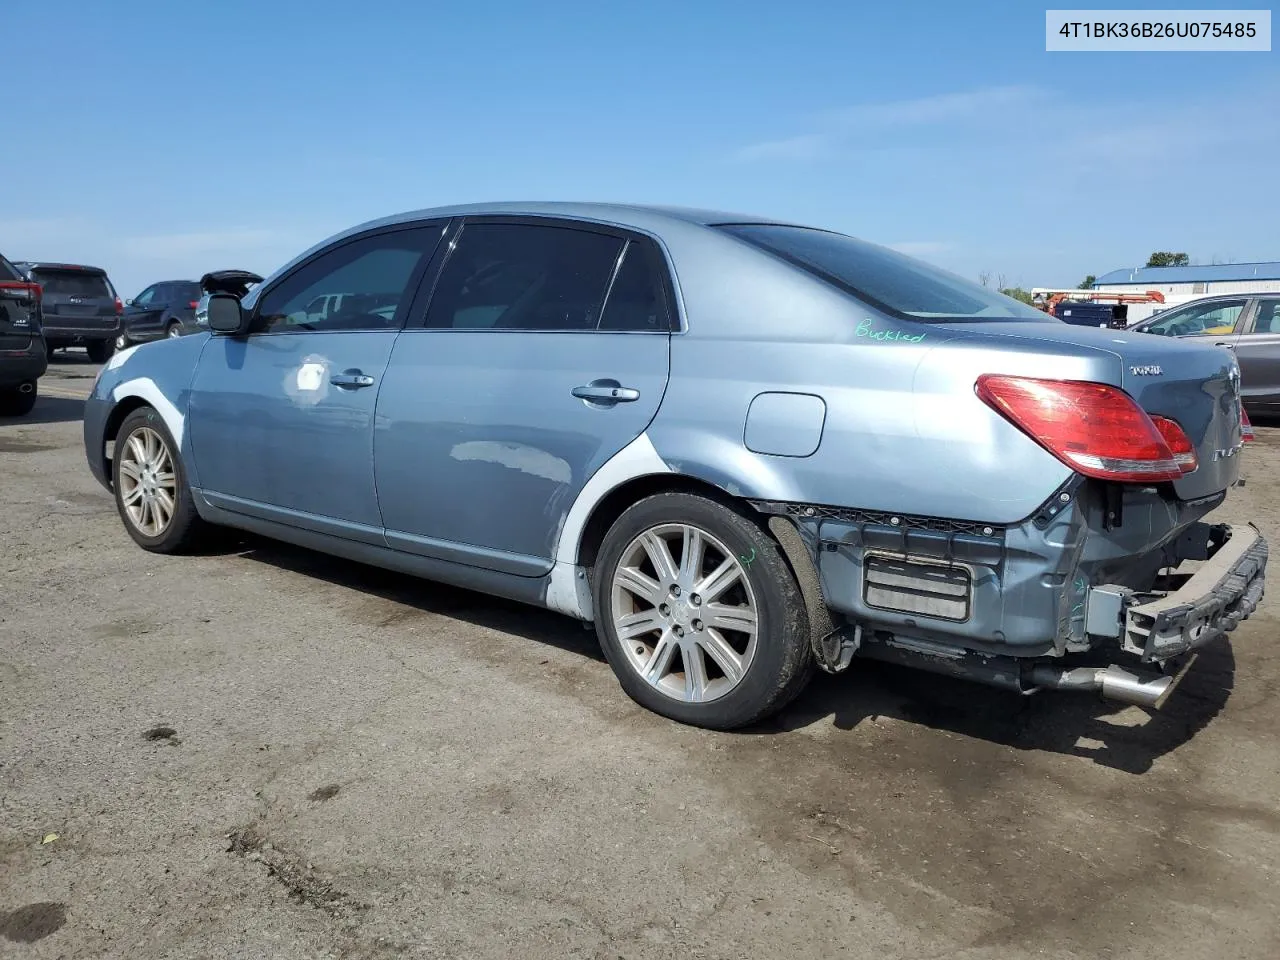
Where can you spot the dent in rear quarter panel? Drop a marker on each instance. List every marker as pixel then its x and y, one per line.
pixel 157 373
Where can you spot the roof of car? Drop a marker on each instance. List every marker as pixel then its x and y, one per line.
pixel 1269 270
pixel 640 216
pixel 49 265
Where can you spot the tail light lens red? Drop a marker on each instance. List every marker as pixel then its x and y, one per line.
pixel 1246 428
pixel 193 304
pixel 21 291
pixel 1094 428
pixel 119 307
pixel 1184 452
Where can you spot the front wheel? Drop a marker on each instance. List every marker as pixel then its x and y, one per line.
pixel 699 614
pixel 150 486
pixel 99 350
pixel 123 342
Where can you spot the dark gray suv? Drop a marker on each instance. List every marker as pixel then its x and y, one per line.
pixel 22 352
pixel 80 307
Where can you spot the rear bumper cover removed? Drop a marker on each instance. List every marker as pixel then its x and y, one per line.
pixel 1224 591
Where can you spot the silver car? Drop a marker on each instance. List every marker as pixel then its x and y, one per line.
pixel 742 448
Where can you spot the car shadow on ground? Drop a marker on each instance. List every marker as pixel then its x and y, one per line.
pixel 48 410
pixel 1114 735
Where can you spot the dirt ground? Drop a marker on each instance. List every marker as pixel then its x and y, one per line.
pixel 269 753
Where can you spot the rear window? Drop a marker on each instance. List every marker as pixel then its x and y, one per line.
pixel 8 271
pixel 186 291
pixel 73 283
pixel 883 278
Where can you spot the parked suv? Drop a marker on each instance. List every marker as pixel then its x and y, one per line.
pixel 166 309
pixel 741 448
pixel 80 307
pixel 22 352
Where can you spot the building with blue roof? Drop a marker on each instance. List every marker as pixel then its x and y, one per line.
pixel 1180 284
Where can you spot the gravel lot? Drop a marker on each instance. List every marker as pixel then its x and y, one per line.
pixel 268 753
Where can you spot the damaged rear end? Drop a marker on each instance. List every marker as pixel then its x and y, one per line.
pixel 1119 576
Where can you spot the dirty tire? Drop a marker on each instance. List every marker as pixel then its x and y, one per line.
pixel 100 350
pixel 15 403
pixel 186 530
pixel 782 663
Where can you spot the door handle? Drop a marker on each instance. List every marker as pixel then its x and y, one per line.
pixel 1224 343
pixel 606 391
pixel 351 380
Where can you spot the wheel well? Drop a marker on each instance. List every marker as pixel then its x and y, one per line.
pixel 608 510
pixel 112 426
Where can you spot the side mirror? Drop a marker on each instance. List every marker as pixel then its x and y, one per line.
pixel 129 302
pixel 226 316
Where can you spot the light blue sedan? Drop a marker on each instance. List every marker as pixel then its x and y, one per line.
pixel 742 448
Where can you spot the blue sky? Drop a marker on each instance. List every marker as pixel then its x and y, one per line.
pixel 162 139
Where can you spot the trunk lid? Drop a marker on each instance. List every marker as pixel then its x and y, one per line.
pixel 72 293
pixel 1195 384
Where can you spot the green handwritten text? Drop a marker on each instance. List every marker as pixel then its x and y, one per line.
pixel 867 328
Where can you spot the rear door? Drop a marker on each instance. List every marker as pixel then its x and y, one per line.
pixel 545 351
pixel 1258 348
pixel 76 299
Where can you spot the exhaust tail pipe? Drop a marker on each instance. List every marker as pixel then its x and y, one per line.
pixel 1114 683
pixel 26 387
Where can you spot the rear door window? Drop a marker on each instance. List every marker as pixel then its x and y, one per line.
pixel 73 283
pixel 637 300
pixel 1267 319
pixel 516 276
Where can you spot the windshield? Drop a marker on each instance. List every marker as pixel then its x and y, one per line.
pixel 883 278
pixel 73 283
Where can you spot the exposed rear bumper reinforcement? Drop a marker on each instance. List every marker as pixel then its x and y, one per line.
pixel 1224 591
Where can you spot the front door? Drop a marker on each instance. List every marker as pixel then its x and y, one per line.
pixel 281 421
pixel 544 352
pixel 142 314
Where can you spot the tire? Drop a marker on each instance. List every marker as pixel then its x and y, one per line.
pixel 48 349
pixel 184 529
pixel 771 668
pixel 123 342
pixel 173 330
pixel 100 350
pixel 15 403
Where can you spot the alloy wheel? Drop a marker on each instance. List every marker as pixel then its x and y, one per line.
pixel 684 612
pixel 148 484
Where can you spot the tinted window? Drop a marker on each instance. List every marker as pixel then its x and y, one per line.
pixel 524 277
pixel 186 292
pixel 1268 319
pixel 8 271
pixel 637 300
pixel 884 278
pixel 364 283
pixel 1199 320
pixel 72 283
pixel 147 296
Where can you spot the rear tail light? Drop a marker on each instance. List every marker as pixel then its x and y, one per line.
pixel 1246 428
pixel 119 307
pixel 20 291
pixel 1184 453
pixel 1094 428
pixel 193 304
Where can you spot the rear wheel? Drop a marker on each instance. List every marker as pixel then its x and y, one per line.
pixel 699 614
pixel 150 486
pixel 123 342
pixel 174 330
pixel 99 350
pixel 49 348
pixel 18 401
